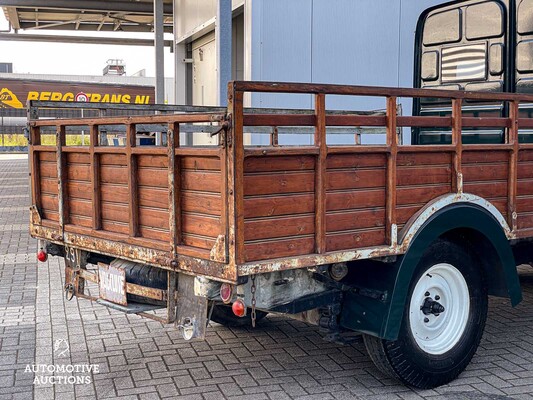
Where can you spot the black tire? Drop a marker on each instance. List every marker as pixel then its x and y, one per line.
pixel 406 360
pixel 223 315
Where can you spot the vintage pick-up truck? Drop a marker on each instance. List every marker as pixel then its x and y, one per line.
pixel 400 242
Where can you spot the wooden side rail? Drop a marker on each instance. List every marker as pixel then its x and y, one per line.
pixel 322 152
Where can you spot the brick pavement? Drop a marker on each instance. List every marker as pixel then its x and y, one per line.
pixel 141 359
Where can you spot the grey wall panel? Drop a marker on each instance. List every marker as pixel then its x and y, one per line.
pixel 360 42
pixel 285 48
pixel 356 42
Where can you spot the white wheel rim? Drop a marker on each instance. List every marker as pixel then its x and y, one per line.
pixel 438 333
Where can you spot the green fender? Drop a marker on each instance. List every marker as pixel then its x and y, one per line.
pixel 381 316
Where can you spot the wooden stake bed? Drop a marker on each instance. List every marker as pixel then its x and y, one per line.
pixel 231 210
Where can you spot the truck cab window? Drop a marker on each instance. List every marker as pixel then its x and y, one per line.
pixel 444 27
pixel 484 21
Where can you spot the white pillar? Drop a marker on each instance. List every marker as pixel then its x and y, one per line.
pixel 223 44
pixel 159 52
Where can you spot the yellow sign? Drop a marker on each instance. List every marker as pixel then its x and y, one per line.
pixel 89 97
pixel 8 98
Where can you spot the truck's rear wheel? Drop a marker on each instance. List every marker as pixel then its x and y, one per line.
pixel 443 321
pixel 223 315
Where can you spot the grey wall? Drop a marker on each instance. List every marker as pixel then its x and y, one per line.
pixel 359 42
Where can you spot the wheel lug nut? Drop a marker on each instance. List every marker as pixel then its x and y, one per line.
pixel 437 297
pixel 426 294
pixel 426 320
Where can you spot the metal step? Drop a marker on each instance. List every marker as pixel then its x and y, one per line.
pixel 131 308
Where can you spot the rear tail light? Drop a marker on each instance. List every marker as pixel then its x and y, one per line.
pixel 239 308
pixel 226 292
pixel 42 256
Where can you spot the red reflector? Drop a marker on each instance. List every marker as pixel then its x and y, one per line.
pixel 225 292
pixel 239 308
pixel 42 256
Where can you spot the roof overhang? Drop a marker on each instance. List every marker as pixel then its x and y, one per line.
pixel 88 16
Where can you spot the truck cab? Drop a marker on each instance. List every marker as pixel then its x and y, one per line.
pixel 474 45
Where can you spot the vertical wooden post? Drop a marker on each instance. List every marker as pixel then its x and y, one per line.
pixel 133 198
pixel 95 177
pixel 238 148
pixel 513 164
pixel 35 167
pixel 320 173
pixel 392 144
pixel 62 196
pixel 235 174
pixel 223 140
pixel 457 142
pixel 174 192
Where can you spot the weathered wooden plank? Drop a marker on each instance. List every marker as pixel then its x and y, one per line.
pixel 270 228
pixel 486 190
pixel 407 176
pixel 112 193
pixel 113 174
pixel 524 204
pixel 200 163
pixel 154 217
pixel 200 225
pixel 525 170
pixel 49 156
pixel 525 220
pixel 524 187
pixel 429 122
pixel 78 172
pixel 197 241
pixel 78 158
pixel 115 212
pixel 405 159
pixel 356 160
pixel 207 203
pixel 113 159
pixel 485 172
pixel 290 182
pixel 525 155
pixel 474 157
pixel 154 234
pixel 49 202
pixel 419 194
pixel 80 207
pixel 279 163
pixel 48 169
pixel 355 179
pixel 81 220
pixel 114 226
pixel 356 199
pixel 52 215
pixel 153 197
pixel 278 205
pixel 48 185
pixel 262 250
pixel 152 177
pixel 201 181
pixel 355 239
pixel 151 161
pixel 355 219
